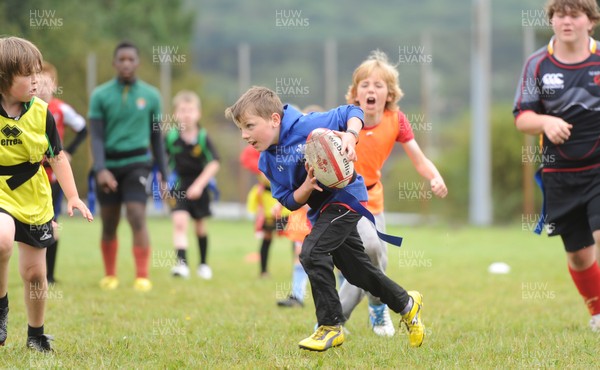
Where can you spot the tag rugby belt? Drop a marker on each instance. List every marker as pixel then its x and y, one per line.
pixel 19 173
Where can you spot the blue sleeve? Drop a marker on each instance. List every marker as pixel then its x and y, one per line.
pixel 355 111
pixel 284 196
pixel 345 112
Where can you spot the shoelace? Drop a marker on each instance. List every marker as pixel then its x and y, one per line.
pixel 322 330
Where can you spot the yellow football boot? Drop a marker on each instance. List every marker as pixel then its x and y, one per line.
pixel 412 320
pixel 324 338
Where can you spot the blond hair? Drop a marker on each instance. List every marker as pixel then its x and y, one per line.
pixel 49 69
pixel 46 87
pixel 377 62
pixel 18 57
pixel 187 96
pixel 259 101
pixel 588 7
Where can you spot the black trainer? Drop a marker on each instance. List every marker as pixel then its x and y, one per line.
pixel 290 301
pixel 3 323
pixel 40 343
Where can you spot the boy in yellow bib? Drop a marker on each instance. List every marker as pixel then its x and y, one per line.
pixel 27 135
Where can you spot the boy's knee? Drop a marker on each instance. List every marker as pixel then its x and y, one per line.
pixel 6 247
pixel 34 275
pixel 305 260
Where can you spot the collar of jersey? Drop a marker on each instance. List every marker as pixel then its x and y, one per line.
pixel 24 109
pixel 592 46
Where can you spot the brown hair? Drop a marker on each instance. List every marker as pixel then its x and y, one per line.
pixel 187 96
pixel 259 101
pixel 377 62
pixel 588 7
pixel 18 57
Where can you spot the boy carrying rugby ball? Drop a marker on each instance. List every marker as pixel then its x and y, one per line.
pixel 274 129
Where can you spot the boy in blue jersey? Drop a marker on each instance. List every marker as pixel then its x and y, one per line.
pixel 279 132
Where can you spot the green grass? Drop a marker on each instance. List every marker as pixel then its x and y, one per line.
pixel 530 318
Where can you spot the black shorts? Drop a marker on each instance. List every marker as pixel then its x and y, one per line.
pixel 134 185
pixel 197 208
pixel 38 236
pixel 573 206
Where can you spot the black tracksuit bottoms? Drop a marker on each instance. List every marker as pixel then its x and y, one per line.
pixel 334 240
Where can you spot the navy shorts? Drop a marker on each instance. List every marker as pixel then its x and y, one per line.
pixel 573 206
pixel 134 185
pixel 38 236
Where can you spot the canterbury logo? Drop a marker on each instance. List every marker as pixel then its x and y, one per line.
pixel 553 81
pixel 9 131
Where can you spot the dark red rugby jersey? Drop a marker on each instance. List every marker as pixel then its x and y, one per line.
pixel 569 91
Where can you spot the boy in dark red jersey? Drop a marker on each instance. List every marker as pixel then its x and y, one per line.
pixel 558 97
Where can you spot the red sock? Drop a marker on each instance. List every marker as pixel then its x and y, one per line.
pixel 588 284
pixel 142 259
pixel 109 254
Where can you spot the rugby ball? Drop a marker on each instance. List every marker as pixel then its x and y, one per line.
pixel 323 152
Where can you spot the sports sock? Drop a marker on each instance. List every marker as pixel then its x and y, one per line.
pixel 299 279
pixel 4 301
pixel 264 254
pixel 203 246
pixel 408 307
pixel 181 255
pixel 34 332
pixel 142 258
pixel 51 260
pixel 588 285
pixel 109 254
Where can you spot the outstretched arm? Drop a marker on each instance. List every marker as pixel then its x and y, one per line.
pixel 425 168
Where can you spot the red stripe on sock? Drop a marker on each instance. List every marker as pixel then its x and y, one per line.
pixel 588 284
pixel 109 255
pixel 142 260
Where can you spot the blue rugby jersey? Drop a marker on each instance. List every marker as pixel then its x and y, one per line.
pixel 283 163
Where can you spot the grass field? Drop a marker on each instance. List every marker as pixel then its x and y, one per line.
pixel 530 318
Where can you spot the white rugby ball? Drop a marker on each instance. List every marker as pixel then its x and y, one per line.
pixel 323 152
pixel 499 268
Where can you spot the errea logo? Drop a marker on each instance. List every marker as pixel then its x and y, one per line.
pixel 553 81
pixel 10 132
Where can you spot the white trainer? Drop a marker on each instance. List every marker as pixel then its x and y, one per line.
pixel 381 322
pixel 181 270
pixel 204 272
pixel 595 323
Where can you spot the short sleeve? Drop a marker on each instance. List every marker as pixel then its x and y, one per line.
pixel 405 132
pixel 54 143
pixel 527 95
